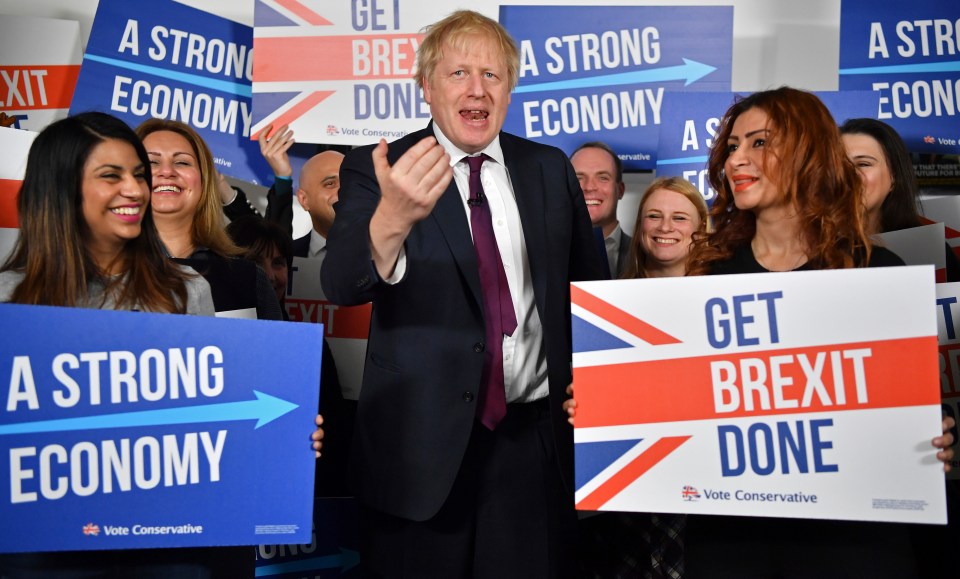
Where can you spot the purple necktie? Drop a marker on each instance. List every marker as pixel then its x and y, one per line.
pixel 499 317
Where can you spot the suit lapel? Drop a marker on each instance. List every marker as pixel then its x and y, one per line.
pixel 528 187
pixel 452 219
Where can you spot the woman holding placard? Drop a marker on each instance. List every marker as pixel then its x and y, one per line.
pixel 87 239
pixel 891 198
pixel 672 214
pixel 789 199
pixel 87 236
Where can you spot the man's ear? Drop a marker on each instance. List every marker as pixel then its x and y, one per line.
pixel 426 91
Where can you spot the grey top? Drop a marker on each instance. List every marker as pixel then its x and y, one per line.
pixel 199 298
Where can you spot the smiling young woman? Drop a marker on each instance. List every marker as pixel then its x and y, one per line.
pixel 672 214
pixel 788 198
pixel 189 217
pixel 87 237
pixel 891 193
pixel 787 194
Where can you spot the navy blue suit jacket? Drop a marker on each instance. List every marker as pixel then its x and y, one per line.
pixel 422 374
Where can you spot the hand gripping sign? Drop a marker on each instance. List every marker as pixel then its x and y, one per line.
pixel 948 330
pixel 803 394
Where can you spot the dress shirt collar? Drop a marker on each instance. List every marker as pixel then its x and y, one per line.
pixel 317 243
pixel 492 150
pixel 614 236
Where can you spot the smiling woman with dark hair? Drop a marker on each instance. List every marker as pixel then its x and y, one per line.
pixel 891 194
pixel 189 217
pixel 87 239
pixel 87 236
pixel 789 199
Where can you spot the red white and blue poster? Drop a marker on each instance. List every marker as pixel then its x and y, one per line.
pixel 919 246
pixel 691 120
pixel 341 72
pixel 945 210
pixel 798 395
pixel 948 330
pixel 39 65
pixel 16 146
pixel 604 73
pixel 909 53
pixel 346 327
pixel 133 430
pixel 167 60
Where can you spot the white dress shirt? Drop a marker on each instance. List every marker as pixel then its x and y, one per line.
pixel 318 244
pixel 524 357
pixel 612 244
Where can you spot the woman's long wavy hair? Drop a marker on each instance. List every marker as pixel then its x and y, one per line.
pixel 637 264
pixel 51 249
pixel 208 227
pixel 813 174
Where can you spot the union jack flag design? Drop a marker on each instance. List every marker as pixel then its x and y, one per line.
pixel 346 65
pixel 690 493
pixel 319 63
pixel 91 529
pixel 692 391
pixel 605 468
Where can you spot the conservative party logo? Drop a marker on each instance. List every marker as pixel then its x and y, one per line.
pixel 690 493
pixel 91 529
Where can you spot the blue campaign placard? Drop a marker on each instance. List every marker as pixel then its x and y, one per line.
pixel 167 60
pixel 332 552
pixel 690 121
pixel 130 429
pixel 590 73
pixel 909 53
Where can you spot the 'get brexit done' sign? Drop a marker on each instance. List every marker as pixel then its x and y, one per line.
pixel 122 430
pixel 800 395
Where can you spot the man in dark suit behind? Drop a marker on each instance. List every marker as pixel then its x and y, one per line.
pixel 317 192
pixel 445 495
pixel 600 173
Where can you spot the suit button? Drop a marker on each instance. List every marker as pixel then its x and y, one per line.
pixel 478 347
pixel 468 396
